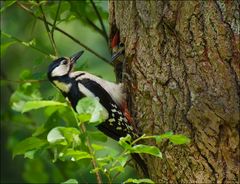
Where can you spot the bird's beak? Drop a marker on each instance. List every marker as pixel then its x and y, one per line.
pixel 117 54
pixel 75 57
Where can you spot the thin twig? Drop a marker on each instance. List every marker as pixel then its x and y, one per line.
pixel 116 175
pixel 8 85
pixel 65 33
pixel 56 16
pixel 95 27
pixel 48 30
pixel 55 20
pixel 26 44
pixel 83 130
pixel 23 81
pixel 84 46
pixel 100 20
pixel 99 179
pixel 144 136
pixel 90 23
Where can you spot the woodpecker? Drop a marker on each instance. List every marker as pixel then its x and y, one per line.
pixel 118 59
pixel 75 85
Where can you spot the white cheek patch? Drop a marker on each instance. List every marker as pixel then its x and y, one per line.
pixel 63 86
pixel 60 70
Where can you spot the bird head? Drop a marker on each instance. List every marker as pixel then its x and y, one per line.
pixel 63 65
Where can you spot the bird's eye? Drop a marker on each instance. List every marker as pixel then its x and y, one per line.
pixel 121 44
pixel 64 62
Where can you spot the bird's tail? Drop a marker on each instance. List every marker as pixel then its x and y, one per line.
pixel 141 164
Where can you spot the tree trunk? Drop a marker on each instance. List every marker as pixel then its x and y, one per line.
pixel 182 65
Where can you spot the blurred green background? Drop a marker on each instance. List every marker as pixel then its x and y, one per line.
pixel 23 77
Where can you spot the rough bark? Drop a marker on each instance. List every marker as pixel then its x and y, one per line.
pixel 182 64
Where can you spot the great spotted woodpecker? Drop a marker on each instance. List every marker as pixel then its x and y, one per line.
pixel 79 84
pixel 118 59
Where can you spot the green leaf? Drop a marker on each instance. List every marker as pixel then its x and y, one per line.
pixel 55 136
pixel 103 161
pixel 122 160
pixel 152 150
pixel 28 144
pixel 53 121
pixel 125 142
pixel 131 180
pixel 166 135
pixel 84 117
pixel 179 139
pixel 74 155
pixel 30 154
pixel 40 104
pixel 35 171
pixel 175 139
pixel 97 147
pixel 127 138
pixel 26 92
pixel 64 136
pixel 70 181
pixel 91 110
pixel 117 168
pixel 97 136
pixel 71 135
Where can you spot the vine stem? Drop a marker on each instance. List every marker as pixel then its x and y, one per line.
pixel 94 162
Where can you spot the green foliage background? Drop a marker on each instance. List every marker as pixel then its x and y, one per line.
pixel 23 78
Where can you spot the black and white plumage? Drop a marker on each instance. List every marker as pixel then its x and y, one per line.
pixel 79 84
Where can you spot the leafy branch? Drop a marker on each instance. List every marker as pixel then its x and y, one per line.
pixel 83 129
pixel 27 44
pixel 63 32
pixel 90 111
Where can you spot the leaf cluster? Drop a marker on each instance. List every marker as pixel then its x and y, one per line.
pixel 70 143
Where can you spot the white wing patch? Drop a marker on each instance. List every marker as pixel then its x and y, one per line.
pixel 63 86
pixel 85 91
pixel 115 90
